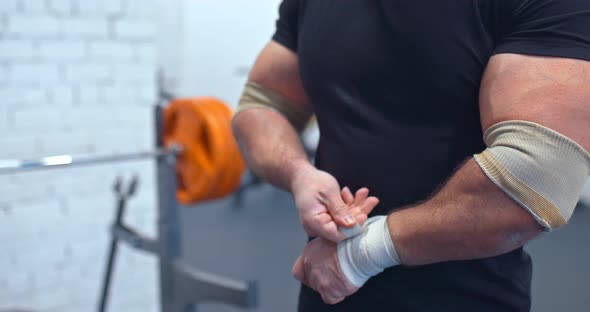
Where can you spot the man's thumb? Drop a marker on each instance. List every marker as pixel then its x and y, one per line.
pixel 338 209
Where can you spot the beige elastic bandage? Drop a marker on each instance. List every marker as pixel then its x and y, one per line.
pixel 542 170
pixel 257 96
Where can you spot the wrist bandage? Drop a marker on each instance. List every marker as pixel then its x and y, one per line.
pixel 542 170
pixel 369 253
pixel 351 232
pixel 257 96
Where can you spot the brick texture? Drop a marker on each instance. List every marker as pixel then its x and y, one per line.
pixel 76 77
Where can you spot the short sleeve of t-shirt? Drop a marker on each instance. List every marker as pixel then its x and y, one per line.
pixel 287 24
pixel 558 28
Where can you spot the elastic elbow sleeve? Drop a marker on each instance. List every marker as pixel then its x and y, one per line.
pixel 542 170
pixel 257 96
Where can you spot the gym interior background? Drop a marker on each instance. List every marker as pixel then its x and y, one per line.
pixel 81 77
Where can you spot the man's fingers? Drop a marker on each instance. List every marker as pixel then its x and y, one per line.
pixel 369 204
pixel 356 212
pixel 360 196
pixel 338 208
pixel 298 270
pixel 335 225
pixel 322 218
pixel 342 215
pixel 323 224
pixel 361 205
pixel 347 196
pixel 361 218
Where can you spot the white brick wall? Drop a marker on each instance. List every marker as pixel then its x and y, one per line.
pixel 85 27
pixel 33 26
pixel 8 6
pixel 57 51
pixel 112 51
pixel 134 30
pixel 76 76
pixel 16 50
pixel 34 74
pixel 60 7
pixel 100 8
pixel 88 73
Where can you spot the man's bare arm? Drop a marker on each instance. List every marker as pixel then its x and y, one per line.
pixel 269 143
pixel 471 217
pixel 273 150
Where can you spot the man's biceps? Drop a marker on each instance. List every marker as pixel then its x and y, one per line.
pixel 551 91
pixel 277 68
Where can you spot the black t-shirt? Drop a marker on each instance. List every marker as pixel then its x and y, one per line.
pixel 394 85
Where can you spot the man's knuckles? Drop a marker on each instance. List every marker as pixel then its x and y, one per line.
pixel 323 286
pixel 331 300
pixel 339 209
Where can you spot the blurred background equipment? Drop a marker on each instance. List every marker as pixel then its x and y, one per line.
pixel 181 285
pixel 210 165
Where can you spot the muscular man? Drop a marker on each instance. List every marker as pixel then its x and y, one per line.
pixel 405 93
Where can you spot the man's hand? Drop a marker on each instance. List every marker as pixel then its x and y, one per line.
pixel 318 268
pixel 323 207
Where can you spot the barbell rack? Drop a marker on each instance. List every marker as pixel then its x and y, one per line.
pixel 182 287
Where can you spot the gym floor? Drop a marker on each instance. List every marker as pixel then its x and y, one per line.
pixel 261 238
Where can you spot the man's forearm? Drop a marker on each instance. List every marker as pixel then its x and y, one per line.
pixel 270 145
pixel 469 218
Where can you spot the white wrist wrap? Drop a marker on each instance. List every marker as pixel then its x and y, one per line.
pixel 369 253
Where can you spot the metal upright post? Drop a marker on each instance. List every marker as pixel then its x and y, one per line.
pixel 168 227
pixel 123 193
pixel 182 287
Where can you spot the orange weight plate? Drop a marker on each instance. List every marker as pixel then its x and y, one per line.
pixel 210 165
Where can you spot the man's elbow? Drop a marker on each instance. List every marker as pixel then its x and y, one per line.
pixel 521 229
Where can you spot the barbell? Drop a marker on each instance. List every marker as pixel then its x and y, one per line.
pixel 197 131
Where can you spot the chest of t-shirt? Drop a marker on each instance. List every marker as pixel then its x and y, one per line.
pixel 417 56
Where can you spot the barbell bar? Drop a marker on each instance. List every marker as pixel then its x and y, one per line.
pixel 196 131
pixel 8 166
